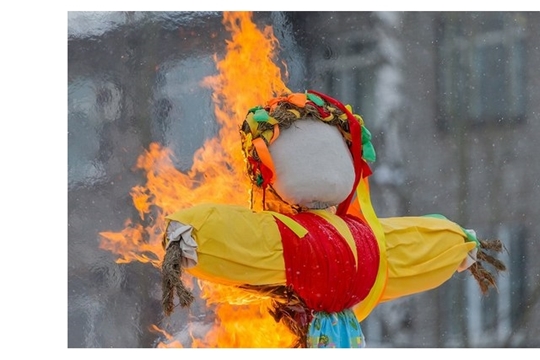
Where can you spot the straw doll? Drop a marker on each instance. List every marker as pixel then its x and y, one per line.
pixel 316 245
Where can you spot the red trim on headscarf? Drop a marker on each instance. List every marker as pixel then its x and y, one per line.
pixel 258 167
pixel 321 267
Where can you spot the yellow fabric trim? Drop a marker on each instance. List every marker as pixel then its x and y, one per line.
pixel 364 308
pixel 272 121
pixel 236 245
pixel 422 252
pixel 253 125
pixel 268 135
pixel 341 227
pixel 295 227
pixel 295 112
pixel 329 118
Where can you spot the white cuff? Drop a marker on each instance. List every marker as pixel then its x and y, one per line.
pixel 177 231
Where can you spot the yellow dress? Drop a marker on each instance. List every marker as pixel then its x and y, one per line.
pixel 237 246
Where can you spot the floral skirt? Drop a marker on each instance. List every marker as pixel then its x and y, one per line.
pixel 335 330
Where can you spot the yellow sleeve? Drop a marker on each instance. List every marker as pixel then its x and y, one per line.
pixel 235 245
pixel 422 253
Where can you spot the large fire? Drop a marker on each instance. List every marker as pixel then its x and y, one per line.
pixel 217 175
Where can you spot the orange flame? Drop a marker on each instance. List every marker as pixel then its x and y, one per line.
pixel 246 77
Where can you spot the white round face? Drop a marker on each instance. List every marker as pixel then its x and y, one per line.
pixel 313 165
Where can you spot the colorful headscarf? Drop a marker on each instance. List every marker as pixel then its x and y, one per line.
pixel 262 125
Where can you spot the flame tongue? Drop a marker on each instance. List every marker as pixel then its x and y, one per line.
pixel 246 77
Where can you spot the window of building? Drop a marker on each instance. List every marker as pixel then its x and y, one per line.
pixel 481 78
pixel 352 79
